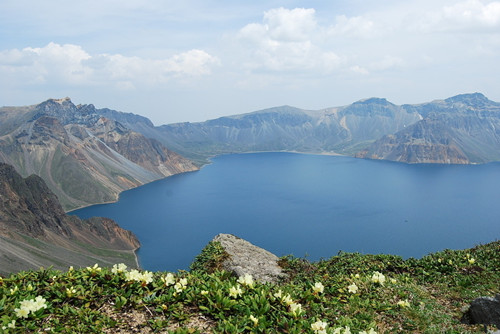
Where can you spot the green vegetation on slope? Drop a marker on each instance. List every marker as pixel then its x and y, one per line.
pixel 348 293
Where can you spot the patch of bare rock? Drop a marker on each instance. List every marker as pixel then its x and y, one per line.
pixel 246 258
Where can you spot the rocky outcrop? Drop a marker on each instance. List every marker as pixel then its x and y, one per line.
pixel 483 310
pixel 84 157
pixel 36 232
pixel 245 258
pixel 427 141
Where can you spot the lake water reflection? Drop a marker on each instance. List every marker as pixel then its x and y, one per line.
pixel 310 205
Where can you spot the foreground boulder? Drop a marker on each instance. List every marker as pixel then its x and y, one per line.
pixel 239 257
pixel 483 310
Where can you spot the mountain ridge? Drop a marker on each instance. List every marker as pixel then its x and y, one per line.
pixel 84 157
pixel 36 232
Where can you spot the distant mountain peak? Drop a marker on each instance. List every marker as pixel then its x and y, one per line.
pixel 62 101
pixel 469 98
pixel 373 100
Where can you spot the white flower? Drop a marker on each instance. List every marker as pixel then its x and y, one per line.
pixel 22 312
pixel 94 269
pixel 204 292
pixel 119 268
pixel 295 308
pixel 318 287
pixel 30 305
pixel 378 278
pixel 70 291
pixel 287 300
pixel 169 279
pixel 246 280
pixel 353 288
pixel 235 291
pixel 278 294
pixel 371 331
pixel 404 303
pixel 135 275
pixel 181 285
pixel 319 326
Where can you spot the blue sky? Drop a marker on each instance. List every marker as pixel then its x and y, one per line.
pixel 194 60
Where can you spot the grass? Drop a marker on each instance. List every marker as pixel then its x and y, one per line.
pixel 377 293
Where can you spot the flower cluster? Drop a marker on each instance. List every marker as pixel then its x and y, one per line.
pixel 318 287
pixel 246 280
pixel 135 275
pixel 319 327
pixel 347 330
pixel 295 308
pixel 70 292
pixel 168 279
pixel 470 259
pixel 30 305
pixel 94 269
pixel 181 285
pixel 119 268
pixel 235 291
pixel 378 278
pixel 11 324
pixel 353 288
pixel 404 303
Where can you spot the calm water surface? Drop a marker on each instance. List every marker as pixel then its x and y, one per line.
pixel 310 205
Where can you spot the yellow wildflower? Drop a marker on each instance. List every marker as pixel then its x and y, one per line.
pixel 254 320
pixel 404 303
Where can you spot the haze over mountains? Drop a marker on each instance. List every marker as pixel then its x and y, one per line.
pixel 88 155
pixel 460 129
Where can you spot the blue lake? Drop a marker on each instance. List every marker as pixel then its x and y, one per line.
pixel 310 205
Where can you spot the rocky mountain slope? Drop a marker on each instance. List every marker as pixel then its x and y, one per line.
pixel 460 129
pixel 35 231
pixel 84 157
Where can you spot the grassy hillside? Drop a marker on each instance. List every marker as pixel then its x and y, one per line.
pixel 348 293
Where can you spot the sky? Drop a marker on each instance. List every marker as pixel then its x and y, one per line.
pixel 194 60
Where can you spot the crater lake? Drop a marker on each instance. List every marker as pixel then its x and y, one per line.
pixel 310 206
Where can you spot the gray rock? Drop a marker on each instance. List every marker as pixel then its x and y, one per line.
pixel 483 310
pixel 245 258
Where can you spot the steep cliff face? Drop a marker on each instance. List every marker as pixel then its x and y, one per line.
pixel 84 157
pixel 36 232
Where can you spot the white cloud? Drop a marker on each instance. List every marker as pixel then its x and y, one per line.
pixel 286 25
pixel 470 15
pixel 287 40
pixel 356 26
pixel 70 64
